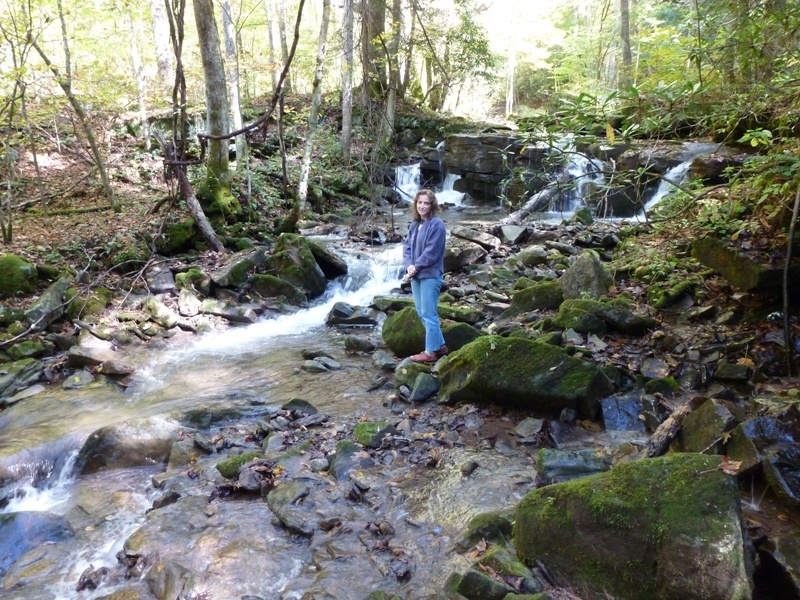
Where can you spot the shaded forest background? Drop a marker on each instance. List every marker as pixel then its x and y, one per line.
pixel 319 91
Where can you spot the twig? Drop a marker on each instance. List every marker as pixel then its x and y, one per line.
pixel 787 332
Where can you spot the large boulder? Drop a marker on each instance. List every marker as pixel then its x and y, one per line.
pixel 50 305
pixel 332 265
pixel 523 373
pixel 616 318
pixel 17 276
pixel 661 528
pixel 587 277
pixel 404 333
pixel 293 261
pixel 238 267
pixel 132 443
pixel 738 269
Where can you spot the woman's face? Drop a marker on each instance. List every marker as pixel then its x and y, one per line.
pixel 424 206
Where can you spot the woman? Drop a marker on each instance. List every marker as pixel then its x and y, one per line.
pixel 423 257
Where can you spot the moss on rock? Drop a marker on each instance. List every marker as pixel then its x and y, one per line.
pixel 524 373
pixel 17 276
pixel 92 303
pixel 668 527
pixel 230 466
pixel 404 334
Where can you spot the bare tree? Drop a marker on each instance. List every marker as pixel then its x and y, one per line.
pixel 390 106
pixel 138 72
pixel 232 68
pixel 347 79
pixel 161 39
pixel 313 117
pixel 287 85
pixel 625 42
pixel 269 14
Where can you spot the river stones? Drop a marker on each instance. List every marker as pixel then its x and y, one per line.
pixel 668 527
pixel 24 531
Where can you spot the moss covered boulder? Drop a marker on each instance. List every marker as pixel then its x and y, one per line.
pixel 615 317
pixel 177 237
pixel 269 286
pixel 293 261
pixel 547 295
pixel 523 373
pixel 92 303
pixel 668 527
pixel 404 334
pixel 17 276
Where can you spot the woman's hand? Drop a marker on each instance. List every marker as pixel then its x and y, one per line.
pixel 411 271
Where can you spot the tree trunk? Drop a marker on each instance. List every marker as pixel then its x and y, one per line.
pixel 347 79
pixel 141 81
pixel 216 98
pixel 287 84
pixel 269 14
pixel 387 125
pixel 313 117
pixel 65 83
pixel 373 56
pixel 232 68
pixel 161 39
pixel 625 41
pixel 409 55
pixel 510 72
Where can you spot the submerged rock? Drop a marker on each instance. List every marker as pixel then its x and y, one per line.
pixel 668 527
pixel 24 531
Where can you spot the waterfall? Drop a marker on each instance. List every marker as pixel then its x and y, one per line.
pixel 672 178
pixel 408 182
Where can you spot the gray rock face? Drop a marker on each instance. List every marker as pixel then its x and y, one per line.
pixel 587 277
pixel 48 308
pixel 458 257
pixel 486 241
pixel 17 375
pixel 293 261
pixel 346 315
pixel 652 529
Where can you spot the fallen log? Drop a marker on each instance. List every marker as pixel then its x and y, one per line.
pixel 662 437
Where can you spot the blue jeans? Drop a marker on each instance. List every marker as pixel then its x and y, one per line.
pixel 426 301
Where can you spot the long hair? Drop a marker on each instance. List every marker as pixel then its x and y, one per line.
pixel 434 204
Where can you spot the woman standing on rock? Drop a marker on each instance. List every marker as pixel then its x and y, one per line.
pixel 423 257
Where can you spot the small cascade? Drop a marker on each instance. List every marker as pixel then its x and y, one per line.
pixel 407 181
pixel 586 176
pixel 669 182
pixel 447 194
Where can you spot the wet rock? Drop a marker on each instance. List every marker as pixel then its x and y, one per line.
pixel 425 386
pixel 780 566
pixel 116 368
pixel 229 468
pixel 313 366
pixel 556 466
pixel 782 472
pixel 462 255
pixel 623 412
pixel 521 373
pixel 91 578
pixel 132 443
pixel 495 527
pixel 485 240
pixel 301 406
pixel 371 434
pixel 24 531
pixel 383 360
pixel 81 356
pixel 751 440
pixel 18 375
pixel 285 500
pixel 704 428
pixel 194 279
pixel 726 371
pixel 229 311
pixel 356 343
pixel 77 380
pixel 407 372
pixel 269 286
pixel 654 368
pixel 347 315
pixel 586 277
pixel 477 585
pixel 344 459
pixel 167 579
pixel 49 307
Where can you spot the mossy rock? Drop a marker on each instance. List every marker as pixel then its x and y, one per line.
pixel 128 260
pixel 17 276
pixel 229 467
pixel 370 434
pixel 547 295
pixel 9 315
pixel 404 333
pixel 193 279
pixel 653 529
pixel 269 286
pixel 617 318
pixel 48 272
pixel 662 385
pixel 217 201
pixel 737 268
pixel 293 261
pixel 496 527
pixel 92 303
pixel 579 320
pixel 522 373
pixel 177 237
pixel 26 349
